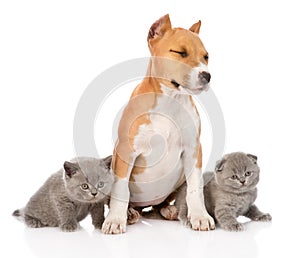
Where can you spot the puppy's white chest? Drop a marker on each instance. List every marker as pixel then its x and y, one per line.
pixel 174 126
pixel 174 123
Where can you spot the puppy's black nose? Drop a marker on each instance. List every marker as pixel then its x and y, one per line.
pixel 204 77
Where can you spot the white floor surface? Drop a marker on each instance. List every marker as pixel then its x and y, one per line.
pixel 152 238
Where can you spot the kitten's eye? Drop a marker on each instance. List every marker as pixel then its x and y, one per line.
pixel 85 186
pixel 100 184
pixel 234 177
pixel 248 173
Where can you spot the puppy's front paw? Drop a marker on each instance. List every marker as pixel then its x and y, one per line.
pixel 114 225
pixel 202 222
pixel 263 217
pixel 233 227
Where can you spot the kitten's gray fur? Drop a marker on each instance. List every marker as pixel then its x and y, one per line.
pixel 229 192
pixel 69 195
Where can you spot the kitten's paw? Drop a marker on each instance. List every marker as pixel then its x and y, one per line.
pixel 114 225
pixel 170 212
pixel 69 226
pixel 33 222
pixel 203 222
pixel 98 225
pixel 233 227
pixel 185 222
pixel 132 216
pixel 263 217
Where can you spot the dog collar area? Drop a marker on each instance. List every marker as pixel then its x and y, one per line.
pixel 175 83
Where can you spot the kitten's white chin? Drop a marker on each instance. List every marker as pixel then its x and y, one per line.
pixel 96 199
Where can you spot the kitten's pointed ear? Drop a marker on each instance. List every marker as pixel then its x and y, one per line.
pixel 196 27
pixel 253 158
pixel 70 168
pixel 219 165
pixel 107 161
pixel 159 28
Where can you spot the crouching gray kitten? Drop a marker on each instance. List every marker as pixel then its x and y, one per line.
pixel 69 195
pixel 229 192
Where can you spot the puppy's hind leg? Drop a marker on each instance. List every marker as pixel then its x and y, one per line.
pixel 133 215
pixel 169 212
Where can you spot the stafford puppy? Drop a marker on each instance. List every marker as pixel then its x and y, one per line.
pixel 158 146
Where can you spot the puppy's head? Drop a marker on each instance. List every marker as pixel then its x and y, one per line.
pixel 179 58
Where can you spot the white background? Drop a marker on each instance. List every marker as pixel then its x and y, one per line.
pixel 49 53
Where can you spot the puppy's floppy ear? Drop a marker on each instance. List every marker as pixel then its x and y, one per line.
pixel 252 157
pixel 107 161
pixel 219 165
pixel 159 28
pixel 70 168
pixel 196 27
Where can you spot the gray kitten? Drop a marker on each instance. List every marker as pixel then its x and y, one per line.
pixel 69 195
pixel 229 192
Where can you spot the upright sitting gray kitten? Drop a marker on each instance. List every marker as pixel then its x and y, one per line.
pixel 69 195
pixel 229 192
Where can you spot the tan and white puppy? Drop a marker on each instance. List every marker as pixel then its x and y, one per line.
pixel 158 146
